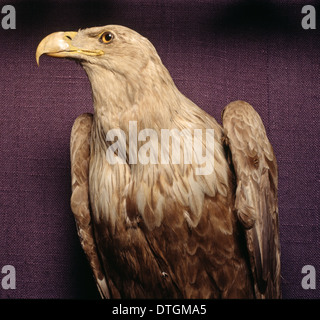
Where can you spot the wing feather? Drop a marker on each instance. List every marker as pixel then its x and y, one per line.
pixel 256 200
pixel 80 157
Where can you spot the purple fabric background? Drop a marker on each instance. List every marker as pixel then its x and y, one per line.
pixel 217 52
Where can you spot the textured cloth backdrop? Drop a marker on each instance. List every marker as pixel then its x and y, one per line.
pixel 216 51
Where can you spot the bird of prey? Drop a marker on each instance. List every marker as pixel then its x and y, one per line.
pixel 164 229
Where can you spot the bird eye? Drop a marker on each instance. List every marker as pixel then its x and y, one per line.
pixel 106 37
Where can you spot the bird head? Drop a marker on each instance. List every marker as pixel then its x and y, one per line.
pixel 115 48
pixel 122 65
pixel 125 72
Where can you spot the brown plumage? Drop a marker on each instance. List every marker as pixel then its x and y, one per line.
pixel 161 230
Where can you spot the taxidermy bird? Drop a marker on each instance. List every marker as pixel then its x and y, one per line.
pixel 165 229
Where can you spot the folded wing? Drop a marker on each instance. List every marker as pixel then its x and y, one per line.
pixel 80 157
pixel 256 201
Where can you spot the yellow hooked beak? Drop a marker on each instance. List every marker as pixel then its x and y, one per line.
pixel 58 44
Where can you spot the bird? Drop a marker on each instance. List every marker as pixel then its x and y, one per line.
pixel 171 227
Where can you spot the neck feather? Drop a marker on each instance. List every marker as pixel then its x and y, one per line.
pixel 149 97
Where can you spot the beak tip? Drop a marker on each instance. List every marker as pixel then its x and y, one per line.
pixel 39 52
pixel 54 42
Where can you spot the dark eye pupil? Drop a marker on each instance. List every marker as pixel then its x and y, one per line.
pixel 107 36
